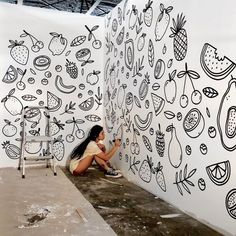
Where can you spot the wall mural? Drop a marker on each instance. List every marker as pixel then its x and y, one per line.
pixel 163 104
pixel 48 70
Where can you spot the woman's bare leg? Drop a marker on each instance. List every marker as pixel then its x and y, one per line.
pixel 101 163
pixel 83 165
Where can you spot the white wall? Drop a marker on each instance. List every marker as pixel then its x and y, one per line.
pixel 73 88
pixel 193 168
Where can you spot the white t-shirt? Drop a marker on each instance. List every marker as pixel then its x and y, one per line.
pixel 91 150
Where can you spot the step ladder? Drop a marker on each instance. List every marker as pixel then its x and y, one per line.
pixel 47 139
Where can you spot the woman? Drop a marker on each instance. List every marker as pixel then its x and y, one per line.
pixel 90 149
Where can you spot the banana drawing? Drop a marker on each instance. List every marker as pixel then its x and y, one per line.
pixel 143 124
pixel 62 87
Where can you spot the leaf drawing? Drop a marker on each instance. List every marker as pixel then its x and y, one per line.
pixel 210 92
pixel 151 53
pixel 69 108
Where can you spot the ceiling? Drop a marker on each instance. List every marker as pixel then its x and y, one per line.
pixel 92 7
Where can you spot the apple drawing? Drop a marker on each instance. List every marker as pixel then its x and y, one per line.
pixel 170 88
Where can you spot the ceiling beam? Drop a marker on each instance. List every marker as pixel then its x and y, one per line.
pixel 92 8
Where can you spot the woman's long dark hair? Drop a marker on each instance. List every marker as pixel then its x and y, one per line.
pixel 93 134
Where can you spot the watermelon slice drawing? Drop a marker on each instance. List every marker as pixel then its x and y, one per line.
pixel 158 103
pixel 54 102
pixel 214 66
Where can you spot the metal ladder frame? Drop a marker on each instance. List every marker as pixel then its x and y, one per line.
pixel 47 138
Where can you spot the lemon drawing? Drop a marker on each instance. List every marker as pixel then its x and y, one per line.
pixel 11 75
pixel 87 104
pixel 193 123
pixel 219 173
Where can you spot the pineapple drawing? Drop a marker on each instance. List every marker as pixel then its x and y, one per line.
pixel 160 142
pixel 71 69
pixel 180 37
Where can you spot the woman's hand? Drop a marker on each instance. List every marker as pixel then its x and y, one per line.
pixel 117 142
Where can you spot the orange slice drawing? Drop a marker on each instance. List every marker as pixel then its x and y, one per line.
pixel 11 75
pixel 87 104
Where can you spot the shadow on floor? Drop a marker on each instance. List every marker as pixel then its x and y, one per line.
pixel 130 210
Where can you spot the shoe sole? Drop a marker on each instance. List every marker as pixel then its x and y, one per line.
pixel 113 176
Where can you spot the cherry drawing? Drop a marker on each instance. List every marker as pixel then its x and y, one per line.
pixel 96 42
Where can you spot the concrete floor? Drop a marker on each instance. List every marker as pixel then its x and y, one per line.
pixel 132 211
pixel 43 204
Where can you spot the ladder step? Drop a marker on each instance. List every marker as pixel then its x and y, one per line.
pixel 38 138
pixel 38 158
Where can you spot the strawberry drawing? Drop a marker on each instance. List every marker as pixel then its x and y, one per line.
pixel 148 13
pixel 133 17
pixel 33 147
pixel 146 170
pixel 57 44
pixel 12 103
pixel 58 148
pixel 71 69
pixel 55 126
pixel 19 52
pixel 162 22
pixel 160 176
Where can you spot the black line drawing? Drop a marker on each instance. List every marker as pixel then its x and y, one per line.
pixel 83 55
pixel 169 115
pixel 20 84
pixel 53 102
pixel 148 13
pixel 132 164
pixel 184 180
pixel 113 96
pixel 151 131
pixel 87 104
pixel 151 53
pixel 180 42
pixel 121 95
pixel 12 104
pixel 134 146
pixel 155 86
pixel 11 75
pixel 41 103
pixel 120 15
pixel 138 67
pixel 55 126
pixel 96 42
pixel 162 22
pixel 143 124
pixel 208 112
pixel 164 49
pixel 158 103
pixel 226 117
pixel 196 96
pixel 71 69
pixel 201 184
pixel 113 115
pixel 214 65
pixel 147 104
pixel 44 81
pixel 107 97
pixel 48 74
pixel 127 121
pixel 119 133
pixel 114 27
pixel 137 102
pixel 12 151
pixel 113 76
pixel 41 62
pixel 9 130
pixel 69 108
pixel 159 69
pixel 36 44
pixel 203 148
pixel 98 98
pixel 175 153
pixel 160 178
pixel 170 63
pixel 79 133
pixel 194 123
pixel 109 44
pixel 146 170
pixel 58 148
pixel 33 115
pixel 77 41
pixel 141 42
pixel 39 91
pixel 33 148
pixel 170 88
pixel 129 54
pixel 108 128
pixel 28 97
pixel 58 68
pixel 143 89
pixel 120 37
pixel 129 101
pixel 92 118
pixel 188 150
pixel 62 87
pixel 68 53
pixel 92 78
pixel 212 132
pixel 138 27
pixel 210 92
pixel 219 173
pixel 160 141
pixel 57 44
pixel 124 9
pixel 19 52
pixel 106 70
pixel 179 116
pixel 82 86
pixel 147 143
pixel 133 17
pixel 230 203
